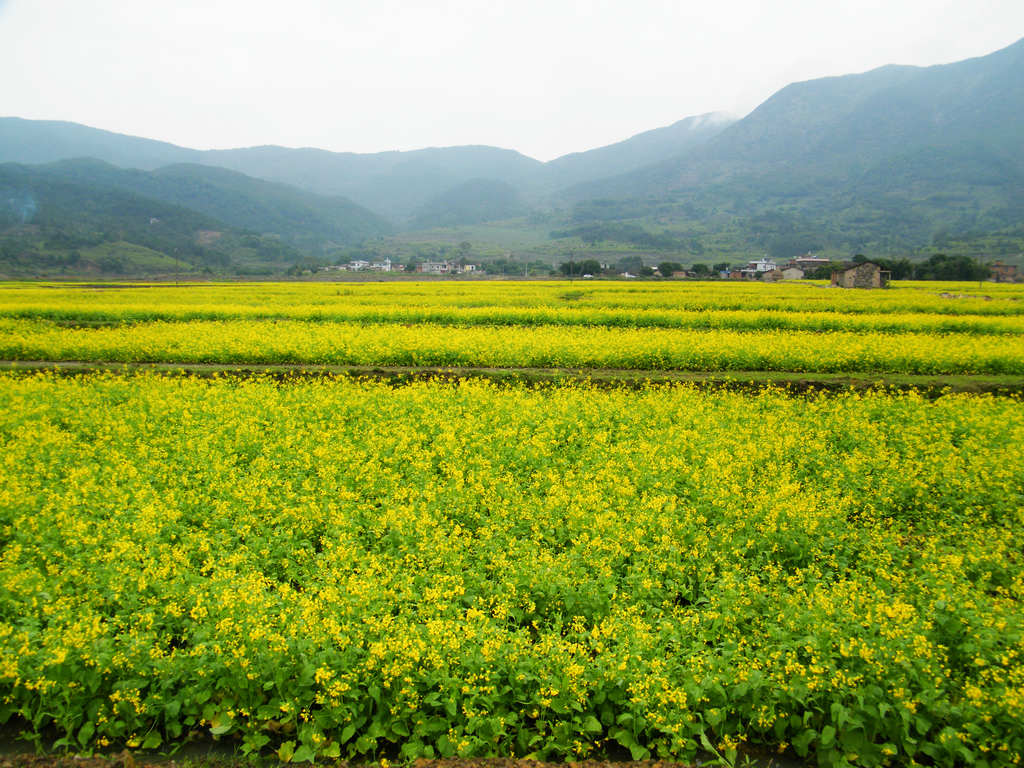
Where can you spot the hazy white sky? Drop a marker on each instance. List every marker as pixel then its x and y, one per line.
pixel 545 77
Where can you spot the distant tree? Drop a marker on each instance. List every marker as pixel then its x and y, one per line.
pixel 899 269
pixel 722 266
pixel 943 267
pixel 822 273
pixel 580 268
pixel 666 268
pixel 700 269
pixel 646 271
pixel 629 264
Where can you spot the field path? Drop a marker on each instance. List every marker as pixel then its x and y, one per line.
pixel 797 380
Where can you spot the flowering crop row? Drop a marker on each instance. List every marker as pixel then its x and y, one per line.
pixel 556 301
pixel 738 319
pixel 536 346
pixel 335 568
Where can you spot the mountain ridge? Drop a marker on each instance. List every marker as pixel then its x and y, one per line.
pixel 892 158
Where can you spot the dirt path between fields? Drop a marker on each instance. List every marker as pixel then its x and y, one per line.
pixel 798 381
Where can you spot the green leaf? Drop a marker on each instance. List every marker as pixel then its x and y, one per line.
pixel 639 752
pixel 445 746
pixel 365 744
pixel 285 751
pixel 304 754
pixel 839 714
pixel 85 732
pixel 347 733
pixel 592 725
pixel 411 750
pixel 828 736
pixel 152 741
pixel 254 742
pixel 332 750
pixel 802 742
pixel 400 728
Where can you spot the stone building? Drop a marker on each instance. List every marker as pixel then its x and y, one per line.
pixel 1003 273
pixel 866 274
pixel 793 273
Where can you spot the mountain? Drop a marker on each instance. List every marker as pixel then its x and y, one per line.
pixel 395 185
pixel 241 202
pixel 892 159
pixel 916 149
pixel 82 216
pixel 638 151
pixel 45 141
pixel 47 223
pixel 471 202
pixel 392 184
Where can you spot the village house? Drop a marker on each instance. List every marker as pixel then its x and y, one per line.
pixel 792 273
pixel 771 276
pixel 807 263
pixel 446 268
pixel 1003 273
pixel 758 267
pixel 865 274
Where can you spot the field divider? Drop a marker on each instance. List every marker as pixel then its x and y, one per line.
pixel 800 381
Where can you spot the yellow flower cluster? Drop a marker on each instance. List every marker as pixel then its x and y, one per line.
pixel 329 567
pixel 678 326
pixel 936 307
pixel 290 341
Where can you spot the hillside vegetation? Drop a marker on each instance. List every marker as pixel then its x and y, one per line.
pixel 898 161
pixel 209 217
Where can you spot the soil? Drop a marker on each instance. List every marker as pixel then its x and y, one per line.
pixel 795 381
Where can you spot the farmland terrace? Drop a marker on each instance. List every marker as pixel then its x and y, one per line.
pixel 540 521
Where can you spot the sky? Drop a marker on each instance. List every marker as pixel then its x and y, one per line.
pixel 544 77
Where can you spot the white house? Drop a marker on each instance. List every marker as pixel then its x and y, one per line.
pixel 445 268
pixel 755 268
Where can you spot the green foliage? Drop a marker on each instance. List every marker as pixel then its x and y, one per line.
pixel 578 269
pixel 471 202
pixel 633 234
pixel 943 267
pixel 53 222
pixel 240 202
pixel 549 573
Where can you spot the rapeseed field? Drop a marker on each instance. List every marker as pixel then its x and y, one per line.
pixel 331 568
